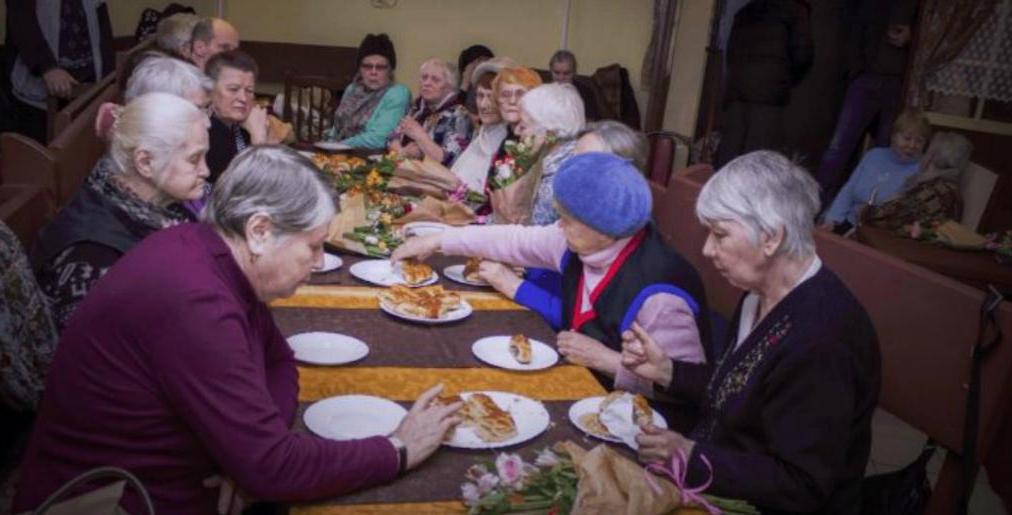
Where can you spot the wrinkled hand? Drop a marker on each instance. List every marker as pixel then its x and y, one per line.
pixel 424 427
pixel 643 357
pixel 658 445
pixel 501 277
pixel 256 124
pixel 583 350
pixel 59 83
pixel 420 247
pixel 411 128
pixel 230 500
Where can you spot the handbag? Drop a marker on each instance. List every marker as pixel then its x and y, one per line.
pixel 102 501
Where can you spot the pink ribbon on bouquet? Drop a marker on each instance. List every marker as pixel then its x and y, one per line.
pixel 677 472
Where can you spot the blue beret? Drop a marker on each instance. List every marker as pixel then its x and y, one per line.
pixel 605 192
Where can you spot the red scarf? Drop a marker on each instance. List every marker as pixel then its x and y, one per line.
pixel 580 316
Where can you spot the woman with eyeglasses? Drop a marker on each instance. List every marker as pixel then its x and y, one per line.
pixel 373 104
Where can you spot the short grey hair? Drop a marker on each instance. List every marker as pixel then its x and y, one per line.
pixel 273 180
pixel 449 71
pixel 563 55
pixel 621 141
pixel 764 191
pixel 949 150
pixel 166 75
pixel 554 107
pixel 159 123
pixel 174 32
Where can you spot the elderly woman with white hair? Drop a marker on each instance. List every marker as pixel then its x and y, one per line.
pixel 157 73
pixel 786 409
pixel 196 379
pixel 438 125
pixel 155 162
pixel 615 268
pixel 551 115
pixel 616 138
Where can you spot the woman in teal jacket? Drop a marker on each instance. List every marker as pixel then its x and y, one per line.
pixel 373 104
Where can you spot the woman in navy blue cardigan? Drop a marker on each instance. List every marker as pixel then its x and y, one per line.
pixel 785 412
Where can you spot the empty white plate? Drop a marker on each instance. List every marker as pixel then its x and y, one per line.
pixel 530 416
pixel 330 263
pixel 495 350
pixel 383 273
pixel 331 145
pixel 455 273
pixel 347 417
pixel 320 348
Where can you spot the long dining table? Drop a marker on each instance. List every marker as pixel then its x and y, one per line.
pixel 405 359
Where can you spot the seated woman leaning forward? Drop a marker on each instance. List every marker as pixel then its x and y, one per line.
pixel 177 373
pixel 155 162
pixel 786 409
pixel 615 267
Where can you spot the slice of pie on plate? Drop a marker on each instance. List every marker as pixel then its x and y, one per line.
pixel 520 348
pixel 415 272
pixel 490 422
pixel 471 270
pixel 427 302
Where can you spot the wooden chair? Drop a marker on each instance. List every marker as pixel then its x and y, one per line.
pixel 25 209
pixel 78 147
pixel 72 110
pixel 663 151
pixel 926 324
pixel 310 102
pixel 26 162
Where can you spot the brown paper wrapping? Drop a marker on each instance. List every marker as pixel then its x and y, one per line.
pixel 425 177
pixel 514 203
pixel 352 215
pixel 431 209
pixel 611 483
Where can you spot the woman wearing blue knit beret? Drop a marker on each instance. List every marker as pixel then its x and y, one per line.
pixel 615 267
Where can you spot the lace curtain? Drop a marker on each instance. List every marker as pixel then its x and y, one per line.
pixel 947 27
pixel 984 68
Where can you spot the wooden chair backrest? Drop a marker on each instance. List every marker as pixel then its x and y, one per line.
pixel 78 147
pixel 310 102
pixel 25 208
pixel 27 162
pixel 76 106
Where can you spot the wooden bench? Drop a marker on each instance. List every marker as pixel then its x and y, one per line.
pixel 276 60
pixel 25 209
pixel 62 166
pixel 926 324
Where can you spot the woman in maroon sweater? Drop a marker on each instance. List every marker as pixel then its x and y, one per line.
pixel 173 369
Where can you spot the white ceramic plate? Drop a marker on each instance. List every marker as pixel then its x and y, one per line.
pixel 593 405
pixel 347 417
pixel 530 416
pixel 331 145
pixel 321 348
pixel 383 273
pixel 455 273
pixel 330 263
pixel 460 313
pixel 423 228
pixel 495 350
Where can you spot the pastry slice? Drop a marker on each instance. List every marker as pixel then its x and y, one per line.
pixel 490 422
pixel 643 414
pixel 592 423
pixel 520 348
pixel 471 270
pixel 415 272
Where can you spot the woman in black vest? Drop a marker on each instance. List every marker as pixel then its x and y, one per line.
pixel 786 410
pixel 155 161
pixel 615 267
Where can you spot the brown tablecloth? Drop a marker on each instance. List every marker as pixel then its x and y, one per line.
pixel 975 268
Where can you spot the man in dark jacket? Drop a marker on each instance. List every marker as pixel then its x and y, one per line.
pixel 769 52
pixel 55 45
pixel 878 48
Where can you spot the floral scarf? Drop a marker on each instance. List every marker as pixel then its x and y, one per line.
pixel 355 110
pixel 104 181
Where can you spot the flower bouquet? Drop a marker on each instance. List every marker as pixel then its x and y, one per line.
pixel 515 178
pixel 569 479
